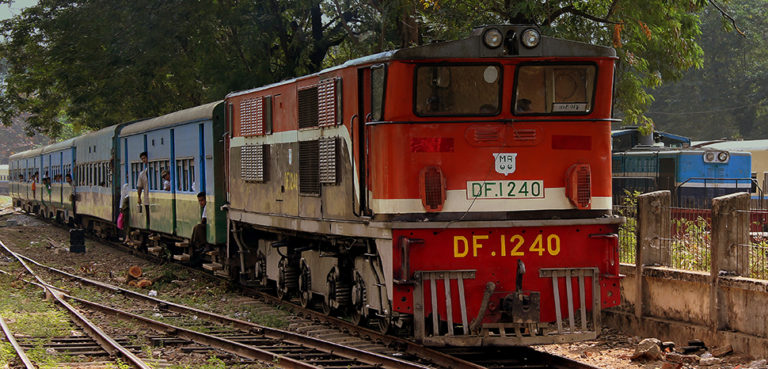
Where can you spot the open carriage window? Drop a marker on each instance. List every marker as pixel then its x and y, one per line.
pixel 459 90
pixel 554 89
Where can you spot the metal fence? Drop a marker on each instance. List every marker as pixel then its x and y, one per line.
pixel 690 239
pixel 627 232
pixel 754 242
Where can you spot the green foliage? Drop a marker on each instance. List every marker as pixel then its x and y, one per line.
pixel 691 244
pixel 627 208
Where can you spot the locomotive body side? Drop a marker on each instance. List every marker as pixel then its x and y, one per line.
pixel 459 189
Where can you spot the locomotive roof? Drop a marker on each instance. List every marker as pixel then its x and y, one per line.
pixel 471 47
pixel 746 145
pixel 197 113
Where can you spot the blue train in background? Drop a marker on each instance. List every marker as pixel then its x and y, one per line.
pixel 664 161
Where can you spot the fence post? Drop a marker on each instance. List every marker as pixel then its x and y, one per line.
pixel 730 228
pixel 653 226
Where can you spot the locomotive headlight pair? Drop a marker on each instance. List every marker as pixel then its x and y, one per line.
pixel 493 38
pixel 719 157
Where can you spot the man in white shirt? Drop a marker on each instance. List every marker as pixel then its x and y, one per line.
pixel 143 186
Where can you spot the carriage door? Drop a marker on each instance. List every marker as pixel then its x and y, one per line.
pixel 371 85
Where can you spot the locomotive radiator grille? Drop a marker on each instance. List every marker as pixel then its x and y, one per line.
pixel 433 277
pixel 581 274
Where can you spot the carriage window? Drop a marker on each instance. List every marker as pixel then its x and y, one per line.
pixel 554 89
pixel 457 90
pixel 185 175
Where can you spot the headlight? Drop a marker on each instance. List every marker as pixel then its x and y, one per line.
pixel 493 38
pixel 530 38
pixel 709 157
pixel 722 156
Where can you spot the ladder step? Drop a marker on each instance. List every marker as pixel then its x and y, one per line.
pixel 155 250
pixel 135 233
pixel 155 237
pixel 213 266
pixel 212 253
pixel 181 257
pixel 182 244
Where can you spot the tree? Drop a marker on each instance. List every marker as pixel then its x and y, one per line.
pixel 728 97
pixel 99 62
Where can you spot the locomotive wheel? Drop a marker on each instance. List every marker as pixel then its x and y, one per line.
pixel 305 286
pixel 260 270
pixel 384 324
pixel 287 279
pixel 358 300
pixel 338 295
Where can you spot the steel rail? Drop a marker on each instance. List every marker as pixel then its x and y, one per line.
pixel 367 357
pixel 410 347
pixel 105 341
pixel 19 350
pixel 240 349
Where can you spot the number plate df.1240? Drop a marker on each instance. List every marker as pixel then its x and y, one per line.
pixel 505 189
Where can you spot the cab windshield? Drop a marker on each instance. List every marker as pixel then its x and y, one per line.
pixel 554 89
pixel 457 90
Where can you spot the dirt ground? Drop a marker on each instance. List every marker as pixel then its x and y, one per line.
pixel 49 245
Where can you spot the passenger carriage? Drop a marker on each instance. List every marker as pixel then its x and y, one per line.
pixel 58 195
pixel 188 144
pixel 4 173
pixel 95 180
pixel 27 163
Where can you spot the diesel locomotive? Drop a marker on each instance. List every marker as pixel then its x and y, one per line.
pixel 459 192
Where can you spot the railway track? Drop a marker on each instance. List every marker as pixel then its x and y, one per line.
pixel 356 342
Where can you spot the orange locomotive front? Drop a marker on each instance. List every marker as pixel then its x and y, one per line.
pixel 460 189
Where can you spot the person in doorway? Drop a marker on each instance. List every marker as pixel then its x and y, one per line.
pixel 142 187
pixel 199 239
pixel 125 193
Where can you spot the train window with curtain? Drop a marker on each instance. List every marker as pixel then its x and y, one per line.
pixel 461 90
pixel 554 89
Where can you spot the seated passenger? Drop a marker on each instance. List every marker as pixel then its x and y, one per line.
pixel 166 180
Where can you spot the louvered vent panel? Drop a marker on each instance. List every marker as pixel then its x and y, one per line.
pixel 584 186
pixel 308 107
pixel 259 107
pixel 309 168
pixel 252 163
pixel 328 159
pixel 248 117
pixel 326 96
pixel 525 134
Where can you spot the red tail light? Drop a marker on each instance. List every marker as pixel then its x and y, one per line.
pixel 578 185
pixel 432 188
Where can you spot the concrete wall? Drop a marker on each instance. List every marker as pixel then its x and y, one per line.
pixel 719 307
